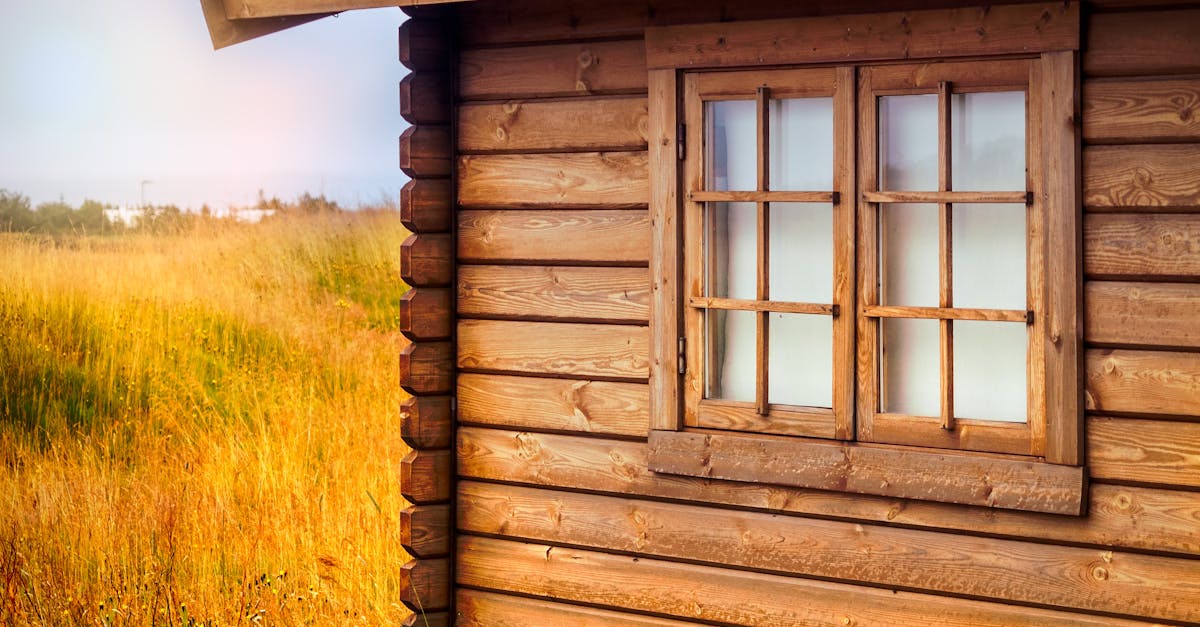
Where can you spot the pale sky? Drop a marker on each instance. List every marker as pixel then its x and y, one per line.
pixel 96 97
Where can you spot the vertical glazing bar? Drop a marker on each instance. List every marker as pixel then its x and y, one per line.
pixel 763 114
pixel 945 255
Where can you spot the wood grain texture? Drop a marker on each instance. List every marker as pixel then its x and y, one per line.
pixel 665 249
pixel 1144 451
pixel 425 98
pixel 425 206
pixel 426 422
pixel 428 619
pixel 425 530
pixel 1157 246
pixel 1141 111
pixel 1128 517
pixel 427 313
pixel 548 237
pixel 1143 314
pixel 425 151
pixel 1145 177
pixel 477 608
pixel 899 35
pixel 427 368
pixel 427 476
pixel 574 69
pixel 427 260
pixel 554 404
pixel 575 350
pixel 1143 43
pixel 425 585
pixel 1143 382
pixel 554 292
pixel 578 124
pixel 424 45
pixel 591 179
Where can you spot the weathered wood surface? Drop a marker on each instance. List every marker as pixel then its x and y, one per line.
pixel 591 179
pixel 425 206
pixel 1141 111
pixel 591 124
pixel 427 368
pixel 554 404
pixel 1143 177
pixel 574 69
pixel 426 422
pixel 425 584
pixel 425 151
pixel 847 38
pixel 426 476
pixel 425 530
pixel 428 619
pixel 1146 451
pixel 1143 43
pixel 488 609
pixel 702 593
pixel 574 350
pixel 577 237
pixel 427 313
pixel 427 260
pixel 1143 382
pixel 425 98
pixel 1162 247
pixel 554 292
pixel 425 45
pixel 1128 517
pixel 1143 314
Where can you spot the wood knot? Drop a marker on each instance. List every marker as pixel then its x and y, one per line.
pixel 1100 573
pixel 586 59
pixel 1124 501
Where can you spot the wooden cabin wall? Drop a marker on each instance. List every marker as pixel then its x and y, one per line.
pixel 558 519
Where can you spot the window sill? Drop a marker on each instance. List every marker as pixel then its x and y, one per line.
pixel 981 479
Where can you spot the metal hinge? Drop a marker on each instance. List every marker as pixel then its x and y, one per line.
pixel 681 141
pixel 682 355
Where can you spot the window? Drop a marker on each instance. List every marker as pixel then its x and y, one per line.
pixel 877 280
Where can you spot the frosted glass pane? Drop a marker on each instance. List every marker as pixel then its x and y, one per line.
pixel 908 143
pixel 800 360
pixel 730 358
pixel 989 256
pixel 988 141
pixel 802 144
pixel 801 252
pixel 908 256
pixel 731 251
pixel 989 370
pixel 911 373
pixel 732 145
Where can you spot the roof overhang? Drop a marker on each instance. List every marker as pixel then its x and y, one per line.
pixel 235 21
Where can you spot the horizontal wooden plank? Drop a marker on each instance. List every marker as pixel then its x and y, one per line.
pixel 578 124
pixel 591 179
pixel 575 69
pixel 425 206
pixel 1141 111
pixel 575 350
pixel 1145 382
pixel 489 609
pixel 904 472
pixel 947 313
pixel 950 196
pixel 1147 176
pixel 554 404
pixel 883 36
pixel 1118 516
pixel 427 260
pixel 1141 43
pixel 427 313
pixel 425 530
pixel 428 619
pixel 1154 246
pixel 425 98
pixel 1144 451
pixel 426 422
pixel 426 476
pixel 425 45
pixel 547 237
pixel 563 292
pixel 427 368
pixel 249 9
pixel 425 151
pixel 425 585
pixel 1142 314
pixel 985 568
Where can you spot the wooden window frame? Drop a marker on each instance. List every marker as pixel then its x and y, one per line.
pixel 1049 477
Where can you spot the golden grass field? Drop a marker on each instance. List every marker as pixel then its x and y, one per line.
pixel 202 427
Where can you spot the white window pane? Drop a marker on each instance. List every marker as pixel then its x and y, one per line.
pixel 989 370
pixel 730 246
pixel 989 256
pixel 800 363
pixel 988 147
pixel 801 252
pixel 911 372
pixel 908 258
pixel 802 144
pixel 732 141
pixel 908 143
pixel 730 355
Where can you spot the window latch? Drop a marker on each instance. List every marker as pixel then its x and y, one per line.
pixel 682 355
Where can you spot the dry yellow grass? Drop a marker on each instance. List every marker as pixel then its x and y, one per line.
pixel 202 428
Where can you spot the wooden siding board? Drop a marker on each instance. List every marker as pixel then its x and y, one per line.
pixel 593 179
pixel 425 98
pixel 597 124
pixel 568 349
pixel 1143 314
pixel 1141 111
pixel 1144 177
pixel 425 530
pixel 425 585
pixel 554 292
pixel 1161 247
pixel 426 476
pixel 1143 382
pixel 591 237
pixel 554 404
pixel 427 368
pixel 1144 451
pixel 426 422
pixel 425 206
pixel 1143 43
pixel 477 608
pixel 574 69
